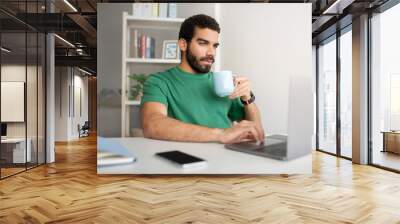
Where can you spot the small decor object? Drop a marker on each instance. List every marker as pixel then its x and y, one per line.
pixel 171 49
pixel 136 87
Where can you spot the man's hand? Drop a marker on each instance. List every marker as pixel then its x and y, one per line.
pixel 242 88
pixel 239 132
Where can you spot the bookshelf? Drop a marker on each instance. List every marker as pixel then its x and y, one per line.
pixel 157 23
pixel 132 102
pixel 152 60
pixel 158 28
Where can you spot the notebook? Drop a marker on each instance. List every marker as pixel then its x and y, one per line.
pixel 108 158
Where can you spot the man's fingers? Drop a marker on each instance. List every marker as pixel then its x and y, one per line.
pixel 260 134
pixel 241 88
pixel 239 93
pixel 253 132
pixel 239 80
pixel 239 83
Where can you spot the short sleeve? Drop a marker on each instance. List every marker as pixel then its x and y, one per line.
pixel 236 112
pixel 154 90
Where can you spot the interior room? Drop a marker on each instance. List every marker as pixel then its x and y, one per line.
pixel 271 80
pixel 71 76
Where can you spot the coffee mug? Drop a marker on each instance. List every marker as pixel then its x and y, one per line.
pixel 223 83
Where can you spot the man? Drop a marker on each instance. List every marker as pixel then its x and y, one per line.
pixel 180 104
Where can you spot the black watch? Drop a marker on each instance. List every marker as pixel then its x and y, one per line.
pixel 251 100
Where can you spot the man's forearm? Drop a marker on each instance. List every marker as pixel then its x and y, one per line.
pixel 253 114
pixel 165 128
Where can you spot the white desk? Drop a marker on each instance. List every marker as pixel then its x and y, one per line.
pixel 19 149
pixel 220 160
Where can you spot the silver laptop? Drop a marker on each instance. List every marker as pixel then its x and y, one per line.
pixel 298 141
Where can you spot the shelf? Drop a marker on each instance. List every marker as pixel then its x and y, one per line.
pixel 132 102
pixel 153 60
pixel 159 23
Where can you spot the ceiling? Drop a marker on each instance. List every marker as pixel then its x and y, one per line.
pixel 76 22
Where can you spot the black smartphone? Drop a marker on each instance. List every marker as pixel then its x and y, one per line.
pixel 182 159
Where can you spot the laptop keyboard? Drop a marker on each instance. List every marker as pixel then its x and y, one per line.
pixel 274 147
pixel 277 149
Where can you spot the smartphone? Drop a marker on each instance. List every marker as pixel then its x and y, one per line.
pixel 182 159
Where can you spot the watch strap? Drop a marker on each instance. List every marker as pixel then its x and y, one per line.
pixel 249 101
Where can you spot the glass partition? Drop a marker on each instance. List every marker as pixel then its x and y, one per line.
pixel 22 77
pixel 13 105
pixel 327 96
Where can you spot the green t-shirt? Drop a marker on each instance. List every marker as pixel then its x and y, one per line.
pixel 191 98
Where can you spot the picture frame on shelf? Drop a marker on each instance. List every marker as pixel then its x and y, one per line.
pixel 170 49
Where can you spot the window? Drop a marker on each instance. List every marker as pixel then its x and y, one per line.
pixel 385 88
pixel 346 93
pixel 327 96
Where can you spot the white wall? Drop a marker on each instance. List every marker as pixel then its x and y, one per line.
pixel 268 43
pixel 61 103
pixel 80 83
pixel 109 67
pixel 15 72
pixel 66 101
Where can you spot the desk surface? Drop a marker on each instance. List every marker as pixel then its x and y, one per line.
pixel 390 132
pixel 13 140
pixel 220 160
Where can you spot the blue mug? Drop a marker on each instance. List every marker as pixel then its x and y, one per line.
pixel 223 83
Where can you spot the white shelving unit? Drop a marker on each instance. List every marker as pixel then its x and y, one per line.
pixel 132 102
pixel 129 22
pixel 152 60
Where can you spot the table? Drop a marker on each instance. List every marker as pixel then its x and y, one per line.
pixel 391 141
pixel 220 160
pixel 17 150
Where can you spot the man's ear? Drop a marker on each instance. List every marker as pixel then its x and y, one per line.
pixel 182 44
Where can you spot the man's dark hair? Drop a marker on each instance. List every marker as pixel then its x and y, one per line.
pixel 201 21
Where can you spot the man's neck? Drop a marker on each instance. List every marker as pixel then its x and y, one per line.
pixel 187 68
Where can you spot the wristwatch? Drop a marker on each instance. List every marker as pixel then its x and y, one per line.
pixel 249 101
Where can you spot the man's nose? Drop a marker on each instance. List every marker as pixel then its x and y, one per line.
pixel 210 51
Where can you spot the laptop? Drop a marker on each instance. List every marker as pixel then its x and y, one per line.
pixel 298 141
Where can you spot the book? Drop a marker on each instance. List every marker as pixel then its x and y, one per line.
pixel 163 10
pixel 135 44
pixel 172 10
pixel 109 158
pixel 142 46
pixel 147 9
pixel 137 9
pixel 148 45
pixel 155 9
pixel 152 48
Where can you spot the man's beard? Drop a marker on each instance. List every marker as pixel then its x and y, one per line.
pixel 195 64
